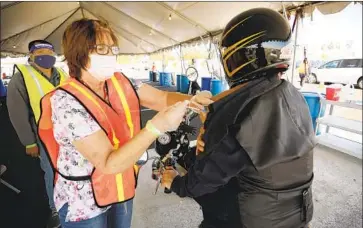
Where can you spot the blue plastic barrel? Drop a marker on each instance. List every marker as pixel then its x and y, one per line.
pixel 178 77
pixel 167 80
pixel 161 78
pixel 313 101
pixel 206 83
pixel 184 84
pixel 216 87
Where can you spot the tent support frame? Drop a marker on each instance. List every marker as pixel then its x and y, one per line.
pixel 19 33
pixel 182 16
pixel 127 31
pixel 295 46
pixel 139 22
pixel 137 46
pixel 82 12
pixel 54 30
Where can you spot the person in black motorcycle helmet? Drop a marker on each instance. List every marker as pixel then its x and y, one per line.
pixel 254 167
pixel 252 45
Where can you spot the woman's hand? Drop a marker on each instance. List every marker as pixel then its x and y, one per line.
pixel 170 118
pixel 201 99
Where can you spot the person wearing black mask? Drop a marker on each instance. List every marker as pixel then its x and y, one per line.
pixel 26 88
pixel 254 167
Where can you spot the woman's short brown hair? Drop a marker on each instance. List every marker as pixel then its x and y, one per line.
pixel 79 40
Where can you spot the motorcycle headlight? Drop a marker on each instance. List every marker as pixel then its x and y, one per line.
pixel 164 139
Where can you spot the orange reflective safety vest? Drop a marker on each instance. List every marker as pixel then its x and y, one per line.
pixel 120 120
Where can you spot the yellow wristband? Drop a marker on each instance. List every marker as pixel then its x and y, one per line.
pixel 151 128
pixel 31 146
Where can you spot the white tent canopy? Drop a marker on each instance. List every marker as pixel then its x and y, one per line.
pixel 142 27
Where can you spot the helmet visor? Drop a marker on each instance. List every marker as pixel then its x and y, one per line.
pixel 254 57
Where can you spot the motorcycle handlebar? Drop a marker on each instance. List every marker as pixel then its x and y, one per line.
pixel 191 114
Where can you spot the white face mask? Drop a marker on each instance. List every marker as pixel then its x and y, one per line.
pixel 102 66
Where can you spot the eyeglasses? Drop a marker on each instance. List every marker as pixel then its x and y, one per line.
pixel 103 49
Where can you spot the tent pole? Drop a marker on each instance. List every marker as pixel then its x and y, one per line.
pixel 284 10
pixel 182 59
pixel 295 46
pixel 163 62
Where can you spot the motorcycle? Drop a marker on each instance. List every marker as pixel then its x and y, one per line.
pixel 174 147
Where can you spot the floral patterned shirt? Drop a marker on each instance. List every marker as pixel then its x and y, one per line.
pixel 72 122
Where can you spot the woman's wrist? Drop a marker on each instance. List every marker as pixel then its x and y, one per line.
pixel 150 127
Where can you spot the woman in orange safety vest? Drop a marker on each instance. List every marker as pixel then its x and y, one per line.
pixel 90 127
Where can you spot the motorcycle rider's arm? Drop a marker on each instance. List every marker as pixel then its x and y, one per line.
pixel 215 169
pixel 158 99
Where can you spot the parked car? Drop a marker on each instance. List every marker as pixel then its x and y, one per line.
pixel 343 71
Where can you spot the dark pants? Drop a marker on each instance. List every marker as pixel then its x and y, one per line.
pixel 154 76
pixel 220 208
pixel 302 78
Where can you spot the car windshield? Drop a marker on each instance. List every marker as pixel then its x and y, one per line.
pixel 332 64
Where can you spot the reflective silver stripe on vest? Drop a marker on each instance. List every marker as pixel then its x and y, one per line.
pixel 29 68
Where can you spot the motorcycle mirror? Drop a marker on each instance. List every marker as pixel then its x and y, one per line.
pixel 192 74
pixel 143 159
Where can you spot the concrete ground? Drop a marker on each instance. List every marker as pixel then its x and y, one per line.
pixel 337 190
pixel 337 193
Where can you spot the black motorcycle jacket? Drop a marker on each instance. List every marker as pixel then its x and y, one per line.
pixel 256 170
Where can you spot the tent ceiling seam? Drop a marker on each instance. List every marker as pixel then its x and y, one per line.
pixel 116 26
pixel 12 36
pixel 210 34
pixel 187 7
pixel 125 30
pixel 136 45
pixel 82 12
pixel 139 47
pixel 141 23
pixel 10 5
pixel 62 23
pixel 183 17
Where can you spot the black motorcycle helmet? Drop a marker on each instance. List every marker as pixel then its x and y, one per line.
pixel 252 44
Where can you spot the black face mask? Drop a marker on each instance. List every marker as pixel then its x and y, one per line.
pixel 45 61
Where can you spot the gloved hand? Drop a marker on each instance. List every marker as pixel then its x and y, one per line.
pixel 200 143
pixel 168 176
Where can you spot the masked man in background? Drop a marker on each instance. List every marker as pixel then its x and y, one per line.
pixel 256 168
pixel 26 88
